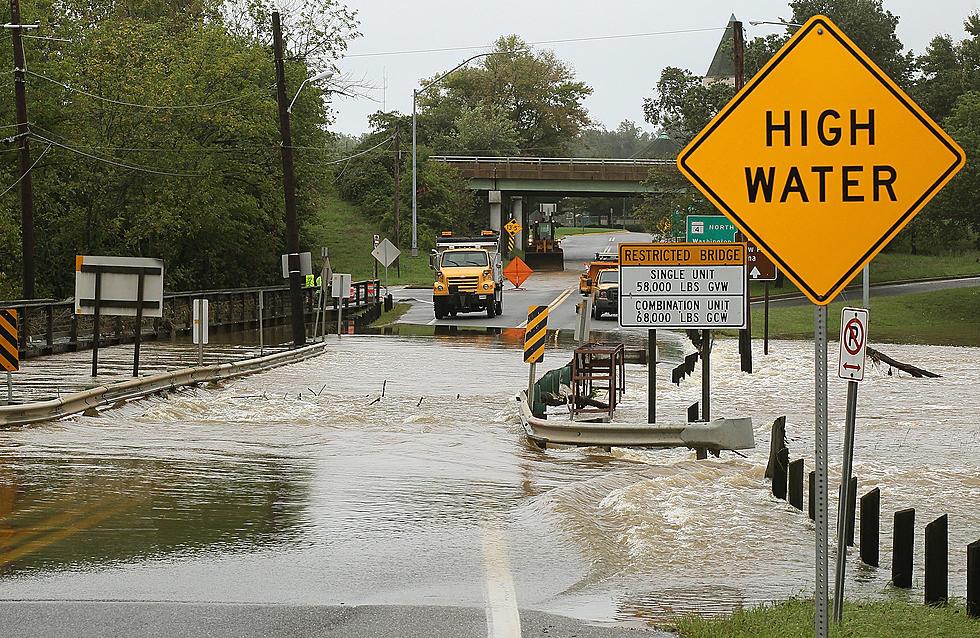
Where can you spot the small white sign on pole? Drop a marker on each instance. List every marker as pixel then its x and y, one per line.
pixel 853 343
pixel 340 285
pixel 200 321
pixel 385 252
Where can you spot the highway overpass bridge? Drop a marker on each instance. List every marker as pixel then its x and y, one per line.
pixel 511 181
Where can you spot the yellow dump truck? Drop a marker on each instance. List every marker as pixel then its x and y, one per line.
pixel 469 275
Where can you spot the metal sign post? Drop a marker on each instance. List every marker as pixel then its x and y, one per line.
pixel 820 472
pixel 261 333
pixel 851 364
pixel 340 287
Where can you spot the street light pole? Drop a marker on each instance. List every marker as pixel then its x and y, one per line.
pixel 415 96
pixel 289 188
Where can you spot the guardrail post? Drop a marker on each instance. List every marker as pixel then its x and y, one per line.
pixel 870 517
pixel 796 484
pixel 973 579
pixel 49 337
pixel 937 561
pixel 903 539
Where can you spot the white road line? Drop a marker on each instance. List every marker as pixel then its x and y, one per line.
pixel 554 304
pixel 503 618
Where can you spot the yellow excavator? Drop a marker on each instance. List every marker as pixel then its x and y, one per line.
pixel 543 250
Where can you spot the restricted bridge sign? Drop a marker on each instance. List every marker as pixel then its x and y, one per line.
pixel 682 285
pixel 853 343
pixel 821 159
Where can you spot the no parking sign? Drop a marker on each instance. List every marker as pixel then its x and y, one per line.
pixel 853 343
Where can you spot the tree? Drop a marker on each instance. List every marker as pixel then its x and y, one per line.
pixel 682 105
pixel 627 140
pixel 948 70
pixel 664 210
pixel 535 91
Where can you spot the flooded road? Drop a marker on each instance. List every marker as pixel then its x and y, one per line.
pixel 304 485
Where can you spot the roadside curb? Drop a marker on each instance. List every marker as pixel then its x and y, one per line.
pixel 23 414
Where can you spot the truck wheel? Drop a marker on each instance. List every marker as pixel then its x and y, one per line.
pixel 439 309
pixel 490 309
pixel 499 307
pixel 596 313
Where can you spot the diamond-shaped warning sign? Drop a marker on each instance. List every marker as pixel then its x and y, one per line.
pixel 517 271
pixel 821 159
pixel 512 227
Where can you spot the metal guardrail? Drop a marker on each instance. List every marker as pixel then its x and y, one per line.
pixel 15 415
pixel 552 161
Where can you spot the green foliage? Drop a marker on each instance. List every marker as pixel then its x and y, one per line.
pixel 188 185
pixel 948 70
pixel 627 140
pixel 870 619
pixel 664 211
pixel 682 105
pixel 535 91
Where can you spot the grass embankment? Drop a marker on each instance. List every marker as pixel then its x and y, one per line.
pixel 349 236
pixel 879 619
pixel 944 317
pixel 899 267
pixel 564 231
pixel 390 317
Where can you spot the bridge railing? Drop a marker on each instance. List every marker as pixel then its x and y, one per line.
pixel 50 326
pixel 552 161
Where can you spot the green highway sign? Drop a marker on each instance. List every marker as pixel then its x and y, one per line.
pixel 709 229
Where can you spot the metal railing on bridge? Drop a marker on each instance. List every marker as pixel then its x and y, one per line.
pixel 49 326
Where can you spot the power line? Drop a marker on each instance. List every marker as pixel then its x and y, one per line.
pixel 27 171
pixel 150 106
pixel 540 42
pixel 159 149
pixel 132 167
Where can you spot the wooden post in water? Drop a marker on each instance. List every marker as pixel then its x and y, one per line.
pixel 692 412
pixel 850 511
pixel 903 540
pixel 870 516
pixel 796 484
pixel 777 441
pixel 779 474
pixel 937 561
pixel 973 579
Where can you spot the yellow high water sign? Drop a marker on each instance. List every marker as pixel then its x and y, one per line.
pixel 821 159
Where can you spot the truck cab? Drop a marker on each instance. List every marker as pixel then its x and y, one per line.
pixel 469 275
pixel 602 261
pixel 605 293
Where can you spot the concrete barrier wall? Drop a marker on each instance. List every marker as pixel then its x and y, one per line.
pixel 13 415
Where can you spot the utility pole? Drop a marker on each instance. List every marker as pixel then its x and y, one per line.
pixel 289 188
pixel 26 191
pixel 744 336
pixel 398 161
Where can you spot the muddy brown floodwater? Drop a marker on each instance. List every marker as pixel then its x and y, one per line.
pixel 303 485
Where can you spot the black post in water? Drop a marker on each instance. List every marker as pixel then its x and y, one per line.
pixel 796 484
pixel 810 481
pixel 139 325
pixel 765 330
pixel 95 324
pixel 777 441
pixel 779 474
pixel 651 375
pixel 692 412
pixel 973 579
pixel 851 507
pixel 705 375
pixel 903 540
pixel 870 517
pixel 937 561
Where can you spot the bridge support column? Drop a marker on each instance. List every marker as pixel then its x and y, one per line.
pixel 495 222
pixel 517 209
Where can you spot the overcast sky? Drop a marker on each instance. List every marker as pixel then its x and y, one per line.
pixel 621 71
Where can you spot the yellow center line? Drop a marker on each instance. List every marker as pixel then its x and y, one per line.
pixel 554 304
pixel 44 541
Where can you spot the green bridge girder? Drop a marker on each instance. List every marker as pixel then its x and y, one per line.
pixel 568 187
